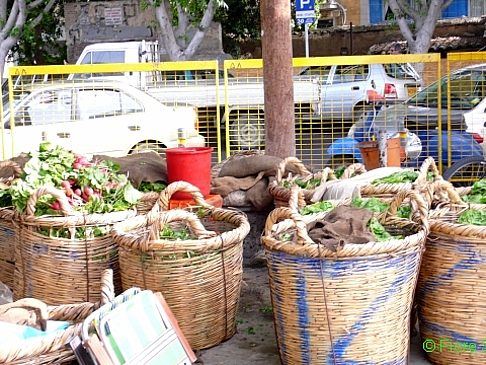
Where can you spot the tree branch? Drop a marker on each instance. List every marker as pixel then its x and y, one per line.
pixel 401 21
pixel 47 8
pixel 201 29
pixel 403 6
pixel 183 24
pixel 167 32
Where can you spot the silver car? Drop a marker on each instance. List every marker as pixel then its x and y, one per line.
pixel 346 88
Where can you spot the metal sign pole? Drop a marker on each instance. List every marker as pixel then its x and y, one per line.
pixel 307 39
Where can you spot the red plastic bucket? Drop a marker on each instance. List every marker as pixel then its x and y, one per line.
pixel 191 164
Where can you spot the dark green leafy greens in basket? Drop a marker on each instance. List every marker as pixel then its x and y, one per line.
pixel 473 216
pixel 178 234
pixel 146 187
pixel 319 207
pixel 181 233
pixel 307 185
pixel 373 204
pixel 477 195
pixel 397 178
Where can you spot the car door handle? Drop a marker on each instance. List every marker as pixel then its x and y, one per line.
pixel 134 127
pixel 64 135
pixel 355 88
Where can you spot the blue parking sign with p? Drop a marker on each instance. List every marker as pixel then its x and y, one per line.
pixel 304 11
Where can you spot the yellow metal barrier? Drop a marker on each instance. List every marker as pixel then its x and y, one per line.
pixel 175 84
pixel 466 103
pixel 332 95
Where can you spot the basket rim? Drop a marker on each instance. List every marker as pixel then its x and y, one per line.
pixel 56 341
pixel 123 234
pixel 443 221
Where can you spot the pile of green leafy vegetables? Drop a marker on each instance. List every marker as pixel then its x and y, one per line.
pixel 397 178
pixel 309 184
pixel 89 186
pixel 476 217
pixel 477 195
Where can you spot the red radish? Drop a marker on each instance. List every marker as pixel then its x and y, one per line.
pixel 88 190
pixel 77 191
pixel 56 205
pixel 77 165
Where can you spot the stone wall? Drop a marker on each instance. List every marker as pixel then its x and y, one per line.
pixel 122 20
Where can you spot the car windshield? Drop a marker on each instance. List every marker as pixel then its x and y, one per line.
pixel 467 89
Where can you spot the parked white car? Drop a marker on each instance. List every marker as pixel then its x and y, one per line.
pixel 345 88
pixel 95 117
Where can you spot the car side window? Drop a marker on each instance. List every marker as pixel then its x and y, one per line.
pixel 350 73
pixel 319 71
pixel 102 103
pixel 46 107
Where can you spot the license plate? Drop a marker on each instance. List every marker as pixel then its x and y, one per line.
pixel 411 90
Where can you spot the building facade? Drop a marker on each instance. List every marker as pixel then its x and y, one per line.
pixel 367 12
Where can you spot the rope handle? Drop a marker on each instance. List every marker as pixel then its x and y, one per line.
pixel 444 190
pixel 107 286
pixel 65 207
pixel 16 169
pixel 355 168
pixel 180 186
pixel 420 211
pixel 189 218
pixel 327 175
pixel 298 164
pixel 283 213
pixel 19 312
pixel 428 165
pixel 296 199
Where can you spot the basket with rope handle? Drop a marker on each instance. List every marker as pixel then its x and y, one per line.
pixel 60 259
pixel 7 228
pixel 280 187
pixel 451 290
pixel 207 264
pixel 53 348
pixel 390 189
pixel 348 306
pixel 314 211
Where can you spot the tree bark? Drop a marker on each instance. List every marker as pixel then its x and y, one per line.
pixel 277 75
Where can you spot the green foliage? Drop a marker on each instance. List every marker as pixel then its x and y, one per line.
pixel 39 44
pixel 240 22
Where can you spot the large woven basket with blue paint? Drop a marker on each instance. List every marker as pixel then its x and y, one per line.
pixel 451 292
pixel 351 306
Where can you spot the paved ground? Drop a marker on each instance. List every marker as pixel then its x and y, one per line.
pixel 254 342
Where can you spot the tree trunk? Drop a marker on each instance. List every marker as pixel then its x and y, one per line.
pixel 277 76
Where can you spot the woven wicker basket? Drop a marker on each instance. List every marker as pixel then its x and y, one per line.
pixel 7 228
pixel 281 194
pixel 347 307
pixel 451 293
pixel 54 348
pixel 63 270
pixel 200 279
pixel 389 190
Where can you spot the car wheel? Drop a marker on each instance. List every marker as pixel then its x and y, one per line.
pixel 466 171
pixel 144 147
pixel 247 132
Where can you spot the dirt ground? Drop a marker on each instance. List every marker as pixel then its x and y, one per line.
pixel 255 343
